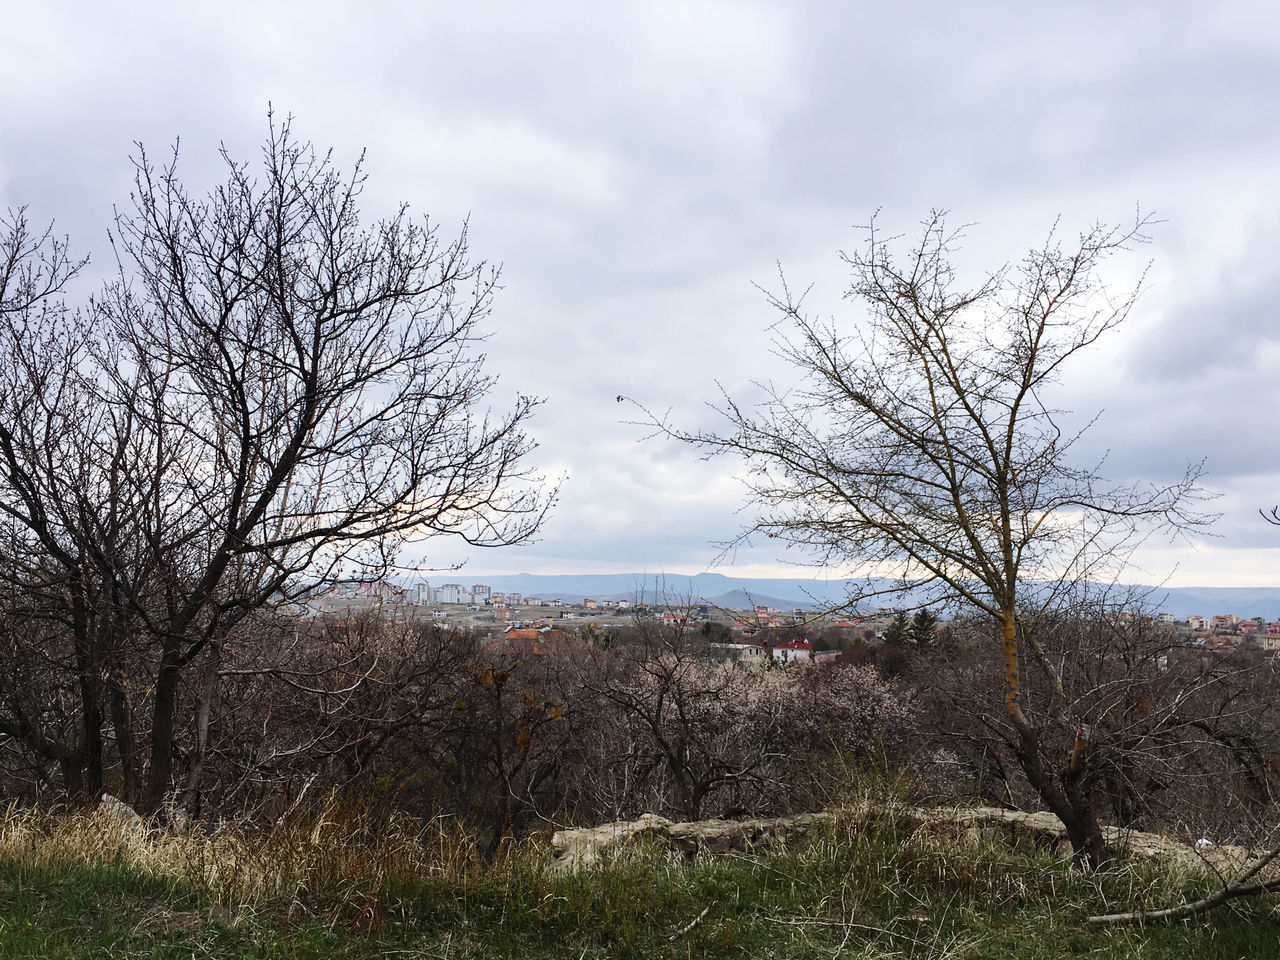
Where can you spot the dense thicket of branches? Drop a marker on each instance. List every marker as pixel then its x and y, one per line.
pixel 1179 741
pixel 270 395
pixel 507 736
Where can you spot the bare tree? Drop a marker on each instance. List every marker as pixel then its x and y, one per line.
pixel 923 448
pixel 514 727
pixel 269 397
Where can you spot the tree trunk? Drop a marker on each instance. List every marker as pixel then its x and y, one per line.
pixel 208 686
pixel 1085 834
pixel 160 766
pixel 1060 792
pixel 90 786
pixel 72 777
pixel 126 746
pixel 697 797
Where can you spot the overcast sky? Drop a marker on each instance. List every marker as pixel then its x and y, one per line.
pixel 638 167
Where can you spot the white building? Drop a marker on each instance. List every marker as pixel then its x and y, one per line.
pixel 793 650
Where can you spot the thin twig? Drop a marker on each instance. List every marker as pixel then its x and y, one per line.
pixel 692 923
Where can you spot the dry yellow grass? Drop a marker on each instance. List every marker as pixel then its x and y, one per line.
pixel 331 851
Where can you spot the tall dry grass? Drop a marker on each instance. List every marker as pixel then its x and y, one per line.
pixel 335 851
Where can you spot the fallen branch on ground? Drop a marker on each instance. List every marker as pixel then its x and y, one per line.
pixel 1239 887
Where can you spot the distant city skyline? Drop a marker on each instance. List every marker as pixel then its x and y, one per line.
pixel 791 592
pixel 638 168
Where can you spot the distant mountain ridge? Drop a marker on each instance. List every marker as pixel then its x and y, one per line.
pixel 742 592
pixel 714 588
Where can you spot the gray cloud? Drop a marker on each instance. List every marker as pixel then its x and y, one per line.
pixel 638 166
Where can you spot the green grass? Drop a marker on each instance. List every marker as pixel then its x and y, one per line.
pixel 861 890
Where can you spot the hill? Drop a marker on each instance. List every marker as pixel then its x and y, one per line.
pixel 715 588
pixel 744 592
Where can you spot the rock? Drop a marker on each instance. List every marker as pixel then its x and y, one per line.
pixel 585 848
pixel 580 849
pixel 119 812
pixel 1046 831
pixel 741 836
pixel 1218 858
pixel 1014 828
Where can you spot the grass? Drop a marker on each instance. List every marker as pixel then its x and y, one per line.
pixel 343 884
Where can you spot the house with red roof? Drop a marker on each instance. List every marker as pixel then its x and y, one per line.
pixel 792 650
